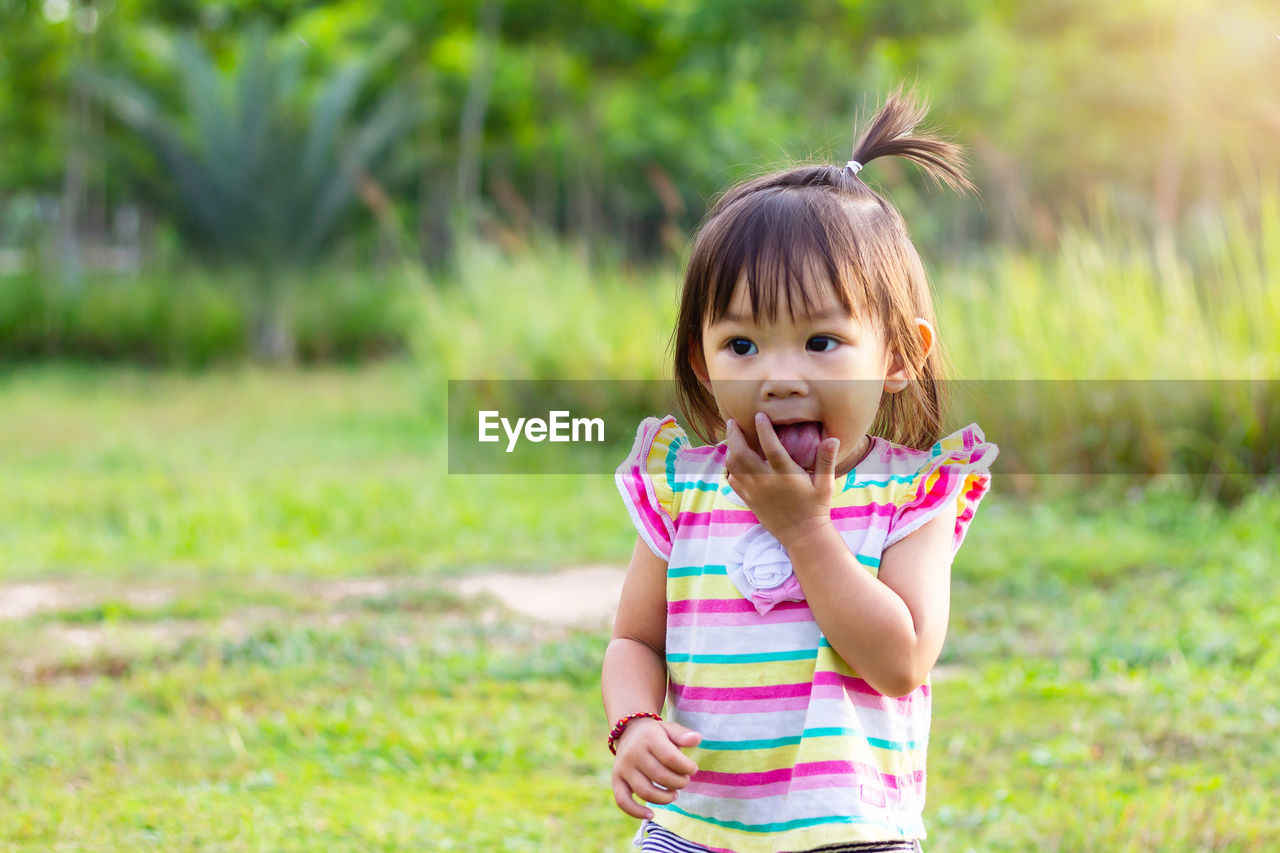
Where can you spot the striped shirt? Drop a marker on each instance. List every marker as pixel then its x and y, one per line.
pixel 798 752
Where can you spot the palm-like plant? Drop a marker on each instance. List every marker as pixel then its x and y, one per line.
pixel 262 172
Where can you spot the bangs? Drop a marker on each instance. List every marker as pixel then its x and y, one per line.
pixel 784 243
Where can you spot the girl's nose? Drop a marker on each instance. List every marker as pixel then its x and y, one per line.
pixel 782 377
pixel 776 388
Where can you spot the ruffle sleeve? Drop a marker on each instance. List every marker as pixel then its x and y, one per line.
pixel 646 480
pixel 957 470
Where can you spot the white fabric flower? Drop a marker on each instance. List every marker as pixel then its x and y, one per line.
pixel 760 568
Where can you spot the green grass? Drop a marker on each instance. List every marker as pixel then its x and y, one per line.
pixel 1115 679
pixel 307 732
pixel 1096 699
pixel 125 472
pixel 1109 681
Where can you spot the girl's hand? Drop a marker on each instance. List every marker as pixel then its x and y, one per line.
pixel 649 753
pixel 788 500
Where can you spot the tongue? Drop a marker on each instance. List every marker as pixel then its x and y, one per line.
pixel 801 441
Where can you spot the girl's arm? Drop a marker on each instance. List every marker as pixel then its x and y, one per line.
pixel 634 678
pixel 890 628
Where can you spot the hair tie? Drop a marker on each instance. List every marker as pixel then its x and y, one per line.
pixel 853 166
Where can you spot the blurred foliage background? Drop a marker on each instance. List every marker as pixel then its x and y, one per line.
pixel 244 245
pixel 227 127
pixel 199 183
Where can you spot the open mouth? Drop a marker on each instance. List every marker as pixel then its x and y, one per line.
pixel 801 440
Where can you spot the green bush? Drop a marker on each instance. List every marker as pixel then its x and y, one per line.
pixel 350 318
pixel 197 318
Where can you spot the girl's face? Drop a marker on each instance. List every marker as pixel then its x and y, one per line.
pixel 824 366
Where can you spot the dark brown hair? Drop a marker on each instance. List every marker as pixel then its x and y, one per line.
pixel 822 219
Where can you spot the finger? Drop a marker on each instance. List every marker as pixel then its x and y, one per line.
pixel 671 755
pixel 656 771
pixel 681 735
pixel 827 454
pixel 733 439
pixel 642 786
pixel 686 738
pixel 772 445
pixel 742 491
pixel 622 796
pixel 744 459
pixel 676 761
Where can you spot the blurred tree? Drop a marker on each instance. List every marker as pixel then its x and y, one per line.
pixel 261 173
pixel 617 120
pixel 33 56
pixel 1149 99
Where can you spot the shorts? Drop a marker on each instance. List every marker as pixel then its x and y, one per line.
pixel 651 838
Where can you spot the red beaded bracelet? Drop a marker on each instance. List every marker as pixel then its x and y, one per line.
pixel 618 727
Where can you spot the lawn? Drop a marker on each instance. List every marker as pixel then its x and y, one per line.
pixel 247 641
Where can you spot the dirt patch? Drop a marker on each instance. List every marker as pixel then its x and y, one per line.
pixel 586 596
pixel 41 651
pixel 333 592
pixel 19 601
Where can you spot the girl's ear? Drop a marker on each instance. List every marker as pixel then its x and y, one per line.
pixel 699 364
pixel 897 377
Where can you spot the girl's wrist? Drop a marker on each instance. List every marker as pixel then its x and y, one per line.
pixel 620 727
pixel 802 530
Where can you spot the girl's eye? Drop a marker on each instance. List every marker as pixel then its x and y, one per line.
pixel 735 343
pixel 825 339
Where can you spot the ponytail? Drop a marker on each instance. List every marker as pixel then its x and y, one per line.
pixel 892 133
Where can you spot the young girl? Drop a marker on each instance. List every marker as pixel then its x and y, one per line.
pixel 789 590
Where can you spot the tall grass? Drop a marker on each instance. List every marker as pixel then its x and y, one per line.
pixel 1088 330
pixel 1199 303
pixel 547 314
pixel 1109 304
pixel 1119 339
pixel 1158 350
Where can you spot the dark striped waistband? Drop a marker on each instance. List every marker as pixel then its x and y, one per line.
pixel 656 839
